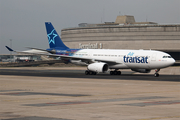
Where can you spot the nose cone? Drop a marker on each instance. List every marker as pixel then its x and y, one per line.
pixel 171 61
pixel 174 61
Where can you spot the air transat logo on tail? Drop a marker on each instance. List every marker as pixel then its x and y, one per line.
pixel 130 59
pixel 51 37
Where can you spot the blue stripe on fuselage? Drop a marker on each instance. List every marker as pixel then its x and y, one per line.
pixel 68 52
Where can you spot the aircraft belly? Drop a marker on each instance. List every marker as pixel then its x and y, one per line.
pixel 119 66
pixel 158 64
pixel 138 65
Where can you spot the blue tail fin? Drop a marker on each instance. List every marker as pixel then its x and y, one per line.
pixel 54 39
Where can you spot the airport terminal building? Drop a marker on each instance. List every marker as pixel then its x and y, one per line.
pixel 125 33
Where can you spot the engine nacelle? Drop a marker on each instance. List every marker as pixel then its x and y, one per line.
pixel 98 67
pixel 142 70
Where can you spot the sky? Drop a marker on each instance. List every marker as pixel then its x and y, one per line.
pixel 23 21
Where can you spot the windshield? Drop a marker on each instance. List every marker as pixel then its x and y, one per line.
pixel 167 57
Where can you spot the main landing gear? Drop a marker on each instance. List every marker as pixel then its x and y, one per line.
pixel 115 72
pixel 156 74
pixel 87 72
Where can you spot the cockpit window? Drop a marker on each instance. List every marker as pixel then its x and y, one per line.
pixel 166 56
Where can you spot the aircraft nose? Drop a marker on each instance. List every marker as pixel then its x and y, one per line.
pixel 171 61
pixel 174 61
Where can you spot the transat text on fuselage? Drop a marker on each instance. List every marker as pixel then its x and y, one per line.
pixel 130 59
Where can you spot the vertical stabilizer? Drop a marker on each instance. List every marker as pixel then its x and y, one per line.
pixel 53 38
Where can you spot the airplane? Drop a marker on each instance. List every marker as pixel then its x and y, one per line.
pixel 103 60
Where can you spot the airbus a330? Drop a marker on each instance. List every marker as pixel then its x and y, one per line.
pixel 103 60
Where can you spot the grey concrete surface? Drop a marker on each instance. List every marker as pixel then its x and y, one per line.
pixel 45 93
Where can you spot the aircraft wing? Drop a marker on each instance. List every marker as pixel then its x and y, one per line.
pixel 37 49
pixel 65 57
pixel 29 52
pixel 90 60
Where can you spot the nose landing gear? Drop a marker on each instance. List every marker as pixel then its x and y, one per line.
pixel 156 74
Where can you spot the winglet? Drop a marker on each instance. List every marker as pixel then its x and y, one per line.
pixel 9 48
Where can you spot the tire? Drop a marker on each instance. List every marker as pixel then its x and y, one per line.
pixel 115 72
pixel 111 72
pixel 86 72
pixel 91 72
pixel 156 75
pixel 119 72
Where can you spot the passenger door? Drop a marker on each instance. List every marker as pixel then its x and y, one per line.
pixel 153 58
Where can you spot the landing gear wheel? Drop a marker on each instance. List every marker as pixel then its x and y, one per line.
pixel 119 72
pixel 94 73
pixel 111 72
pixel 86 72
pixel 156 74
pixel 91 72
pixel 115 72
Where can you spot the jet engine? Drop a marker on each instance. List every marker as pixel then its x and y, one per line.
pixel 98 67
pixel 142 70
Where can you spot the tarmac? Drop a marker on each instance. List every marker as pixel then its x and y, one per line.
pixel 66 93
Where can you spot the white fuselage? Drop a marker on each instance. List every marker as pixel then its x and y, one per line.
pixel 129 59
